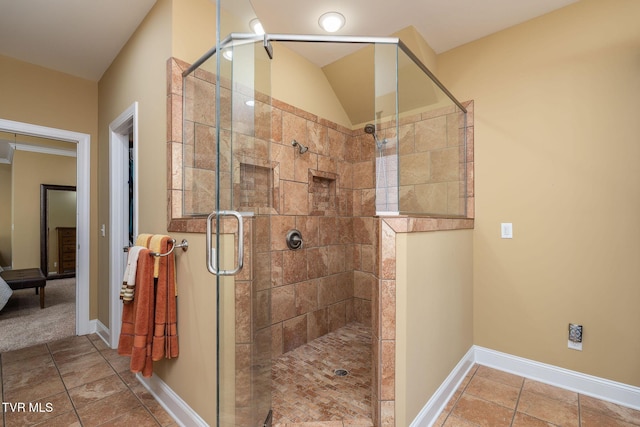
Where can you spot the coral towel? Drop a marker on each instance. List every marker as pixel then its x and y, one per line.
pixel 143 316
pixel 137 318
pixel 149 325
pixel 165 336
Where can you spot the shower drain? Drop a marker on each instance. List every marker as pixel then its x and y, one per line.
pixel 341 372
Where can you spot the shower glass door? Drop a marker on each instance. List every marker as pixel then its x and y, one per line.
pixel 239 226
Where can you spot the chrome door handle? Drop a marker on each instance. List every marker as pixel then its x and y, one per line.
pixel 210 253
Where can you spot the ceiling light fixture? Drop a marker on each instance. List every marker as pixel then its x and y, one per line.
pixel 227 54
pixel 331 21
pixel 256 26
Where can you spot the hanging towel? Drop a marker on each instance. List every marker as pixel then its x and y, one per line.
pixel 155 245
pixel 143 240
pixel 134 252
pixel 165 337
pixel 143 316
pixel 127 332
pixel 129 279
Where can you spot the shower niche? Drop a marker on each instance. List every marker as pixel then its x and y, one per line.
pixel 323 197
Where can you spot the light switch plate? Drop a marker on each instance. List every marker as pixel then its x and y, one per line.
pixel 506 230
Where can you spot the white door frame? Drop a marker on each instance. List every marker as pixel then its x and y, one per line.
pixel 119 130
pixel 83 221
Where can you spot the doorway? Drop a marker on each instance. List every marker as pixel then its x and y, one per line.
pixel 123 211
pixel 83 167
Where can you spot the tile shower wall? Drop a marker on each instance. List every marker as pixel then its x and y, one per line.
pixel 328 283
pixel 327 193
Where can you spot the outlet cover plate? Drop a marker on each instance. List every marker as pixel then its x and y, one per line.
pixel 506 230
pixel 574 345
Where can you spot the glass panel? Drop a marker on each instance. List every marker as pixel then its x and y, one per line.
pixel 432 145
pixel 386 108
pixel 226 155
pixel 245 185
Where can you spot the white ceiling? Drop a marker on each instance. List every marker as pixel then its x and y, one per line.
pixel 78 37
pixel 82 37
pixel 444 24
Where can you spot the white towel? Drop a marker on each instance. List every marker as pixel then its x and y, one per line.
pixel 132 266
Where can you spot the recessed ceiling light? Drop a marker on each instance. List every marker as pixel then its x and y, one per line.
pixel 331 21
pixel 256 26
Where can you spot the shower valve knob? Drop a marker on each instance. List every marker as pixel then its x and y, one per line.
pixel 294 239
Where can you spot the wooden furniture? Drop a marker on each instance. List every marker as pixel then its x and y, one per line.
pixel 66 249
pixel 26 278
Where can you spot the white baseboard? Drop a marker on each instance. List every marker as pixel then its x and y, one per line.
pixel 92 326
pixel 589 385
pixel 438 401
pixel 600 388
pixel 171 402
pixel 102 331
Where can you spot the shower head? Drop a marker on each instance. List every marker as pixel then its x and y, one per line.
pixel 301 147
pixel 371 129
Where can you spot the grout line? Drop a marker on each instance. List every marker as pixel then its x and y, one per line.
pixel 515 408
pixel 126 385
pixel 55 364
pixel 579 410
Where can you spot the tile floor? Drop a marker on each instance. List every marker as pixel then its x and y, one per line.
pixel 75 381
pixel 78 381
pixel 488 397
pixel 306 392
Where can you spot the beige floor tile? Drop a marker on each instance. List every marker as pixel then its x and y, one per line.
pixel 138 417
pixel 550 391
pixel 487 389
pixel 454 421
pixel 68 419
pixel 96 390
pixel 611 410
pixel 524 420
pixel 591 418
pixel 28 363
pixel 24 353
pixel 27 394
pixel 41 410
pixel 550 410
pixel 482 412
pixel 100 395
pixel 107 409
pixel 306 389
pixel 499 376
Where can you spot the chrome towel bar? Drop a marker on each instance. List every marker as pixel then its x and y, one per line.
pixel 184 245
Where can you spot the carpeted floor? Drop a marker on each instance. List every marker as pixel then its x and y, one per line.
pixel 23 323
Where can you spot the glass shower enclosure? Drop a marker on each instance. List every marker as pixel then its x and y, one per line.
pixel 401 151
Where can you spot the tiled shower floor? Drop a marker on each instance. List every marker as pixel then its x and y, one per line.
pixel 305 388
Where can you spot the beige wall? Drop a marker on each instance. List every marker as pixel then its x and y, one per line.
pixel 40 96
pixel 434 321
pixel 5 215
pixel 30 170
pixel 181 29
pixel 556 137
pixel 297 81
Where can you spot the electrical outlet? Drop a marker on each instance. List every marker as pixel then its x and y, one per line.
pixel 575 337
